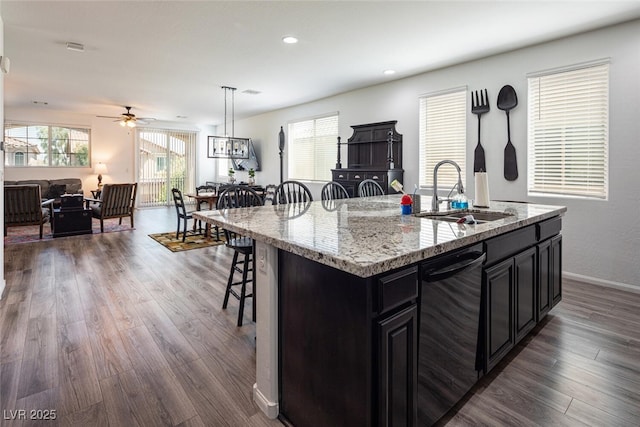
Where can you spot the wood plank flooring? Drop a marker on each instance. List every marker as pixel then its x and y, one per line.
pixel 115 330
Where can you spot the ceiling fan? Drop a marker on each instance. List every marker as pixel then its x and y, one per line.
pixel 129 119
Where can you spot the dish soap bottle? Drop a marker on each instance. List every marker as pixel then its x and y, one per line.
pixel 460 202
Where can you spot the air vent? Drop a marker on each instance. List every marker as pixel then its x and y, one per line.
pixel 77 47
pixel 251 92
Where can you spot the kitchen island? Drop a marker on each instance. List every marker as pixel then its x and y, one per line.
pixel 338 295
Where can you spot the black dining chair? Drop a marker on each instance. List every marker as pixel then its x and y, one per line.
pixel 333 190
pixel 270 194
pixel 292 192
pixel 181 211
pixel 232 197
pixel 368 188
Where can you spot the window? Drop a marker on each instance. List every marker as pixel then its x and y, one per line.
pixel 568 132
pixel 166 160
pixel 49 146
pixel 18 159
pixel 312 148
pixel 443 135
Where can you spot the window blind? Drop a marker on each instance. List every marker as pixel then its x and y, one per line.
pixel 443 128
pixel 312 148
pixel 568 132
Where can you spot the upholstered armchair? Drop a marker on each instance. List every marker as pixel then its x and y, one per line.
pixel 23 206
pixel 116 201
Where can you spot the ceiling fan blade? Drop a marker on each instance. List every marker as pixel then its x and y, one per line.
pixel 108 117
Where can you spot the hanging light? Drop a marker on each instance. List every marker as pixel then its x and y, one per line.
pixel 228 147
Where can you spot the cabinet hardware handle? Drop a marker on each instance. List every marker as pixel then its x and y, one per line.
pixel 375 177
pixel 340 176
pixel 357 177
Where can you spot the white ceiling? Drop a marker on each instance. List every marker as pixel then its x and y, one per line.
pixel 170 58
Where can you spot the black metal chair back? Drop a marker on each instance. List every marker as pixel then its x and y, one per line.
pixel 333 190
pixel 369 187
pixel 237 196
pixel 292 192
pixel 181 212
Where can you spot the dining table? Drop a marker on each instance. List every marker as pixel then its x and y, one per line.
pixel 212 199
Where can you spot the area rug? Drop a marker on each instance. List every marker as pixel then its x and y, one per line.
pixel 31 233
pixel 195 241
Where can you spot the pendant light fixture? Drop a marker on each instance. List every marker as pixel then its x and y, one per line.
pixel 228 147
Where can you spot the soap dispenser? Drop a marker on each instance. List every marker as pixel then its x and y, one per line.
pixel 460 202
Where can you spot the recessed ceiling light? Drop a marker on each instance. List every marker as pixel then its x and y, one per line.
pixel 76 47
pixel 388 72
pixel 289 39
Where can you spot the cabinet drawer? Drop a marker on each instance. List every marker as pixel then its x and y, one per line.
pixel 509 244
pixel 376 176
pixel 340 176
pixel 397 288
pixel 548 228
pixel 356 176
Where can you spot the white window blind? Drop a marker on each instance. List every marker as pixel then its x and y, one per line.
pixel 443 132
pixel 312 148
pixel 568 132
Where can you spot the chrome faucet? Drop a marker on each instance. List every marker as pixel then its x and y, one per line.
pixel 435 201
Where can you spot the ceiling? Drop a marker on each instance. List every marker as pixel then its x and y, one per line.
pixel 169 59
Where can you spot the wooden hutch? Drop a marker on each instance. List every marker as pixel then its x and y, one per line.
pixel 374 152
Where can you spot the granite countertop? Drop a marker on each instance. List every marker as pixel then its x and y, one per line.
pixel 367 236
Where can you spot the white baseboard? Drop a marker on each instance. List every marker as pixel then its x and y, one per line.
pixel 270 409
pixel 601 282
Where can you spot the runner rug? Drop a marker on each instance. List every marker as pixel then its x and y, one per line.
pixel 193 241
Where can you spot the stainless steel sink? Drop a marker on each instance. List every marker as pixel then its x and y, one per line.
pixel 453 216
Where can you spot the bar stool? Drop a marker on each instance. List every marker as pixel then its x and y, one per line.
pixel 237 197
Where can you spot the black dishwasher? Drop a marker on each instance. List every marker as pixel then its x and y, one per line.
pixel 448 356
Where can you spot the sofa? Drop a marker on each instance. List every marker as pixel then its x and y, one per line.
pixel 53 188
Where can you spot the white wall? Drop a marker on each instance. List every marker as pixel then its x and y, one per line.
pixel 601 238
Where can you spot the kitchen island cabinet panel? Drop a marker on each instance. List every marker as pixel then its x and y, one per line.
pixel 325 345
pixel 398 366
pixel 500 337
pixel 525 287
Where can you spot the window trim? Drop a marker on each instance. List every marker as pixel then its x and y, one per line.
pixel 289 143
pixel 424 181
pixel 26 123
pixel 584 192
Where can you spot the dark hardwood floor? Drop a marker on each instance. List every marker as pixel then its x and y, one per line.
pixel 115 330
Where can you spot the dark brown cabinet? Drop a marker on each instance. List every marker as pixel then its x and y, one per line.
pixel 372 156
pixel 499 289
pixel 549 275
pixel 522 282
pixel 397 368
pixel 525 292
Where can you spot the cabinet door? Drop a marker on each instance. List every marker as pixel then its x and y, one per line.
pixel 398 369
pixel 525 292
pixel 556 269
pixel 499 331
pixel 544 279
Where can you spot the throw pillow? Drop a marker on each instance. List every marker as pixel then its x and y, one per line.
pixel 55 191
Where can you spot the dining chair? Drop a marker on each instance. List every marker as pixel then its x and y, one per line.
pixel 333 190
pixel 239 196
pixel 181 211
pixel 270 194
pixel 292 192
pixel 368 188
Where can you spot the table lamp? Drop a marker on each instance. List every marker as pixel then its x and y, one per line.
pixel 100 168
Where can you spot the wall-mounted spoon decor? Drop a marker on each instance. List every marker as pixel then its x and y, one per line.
pixel 508 100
